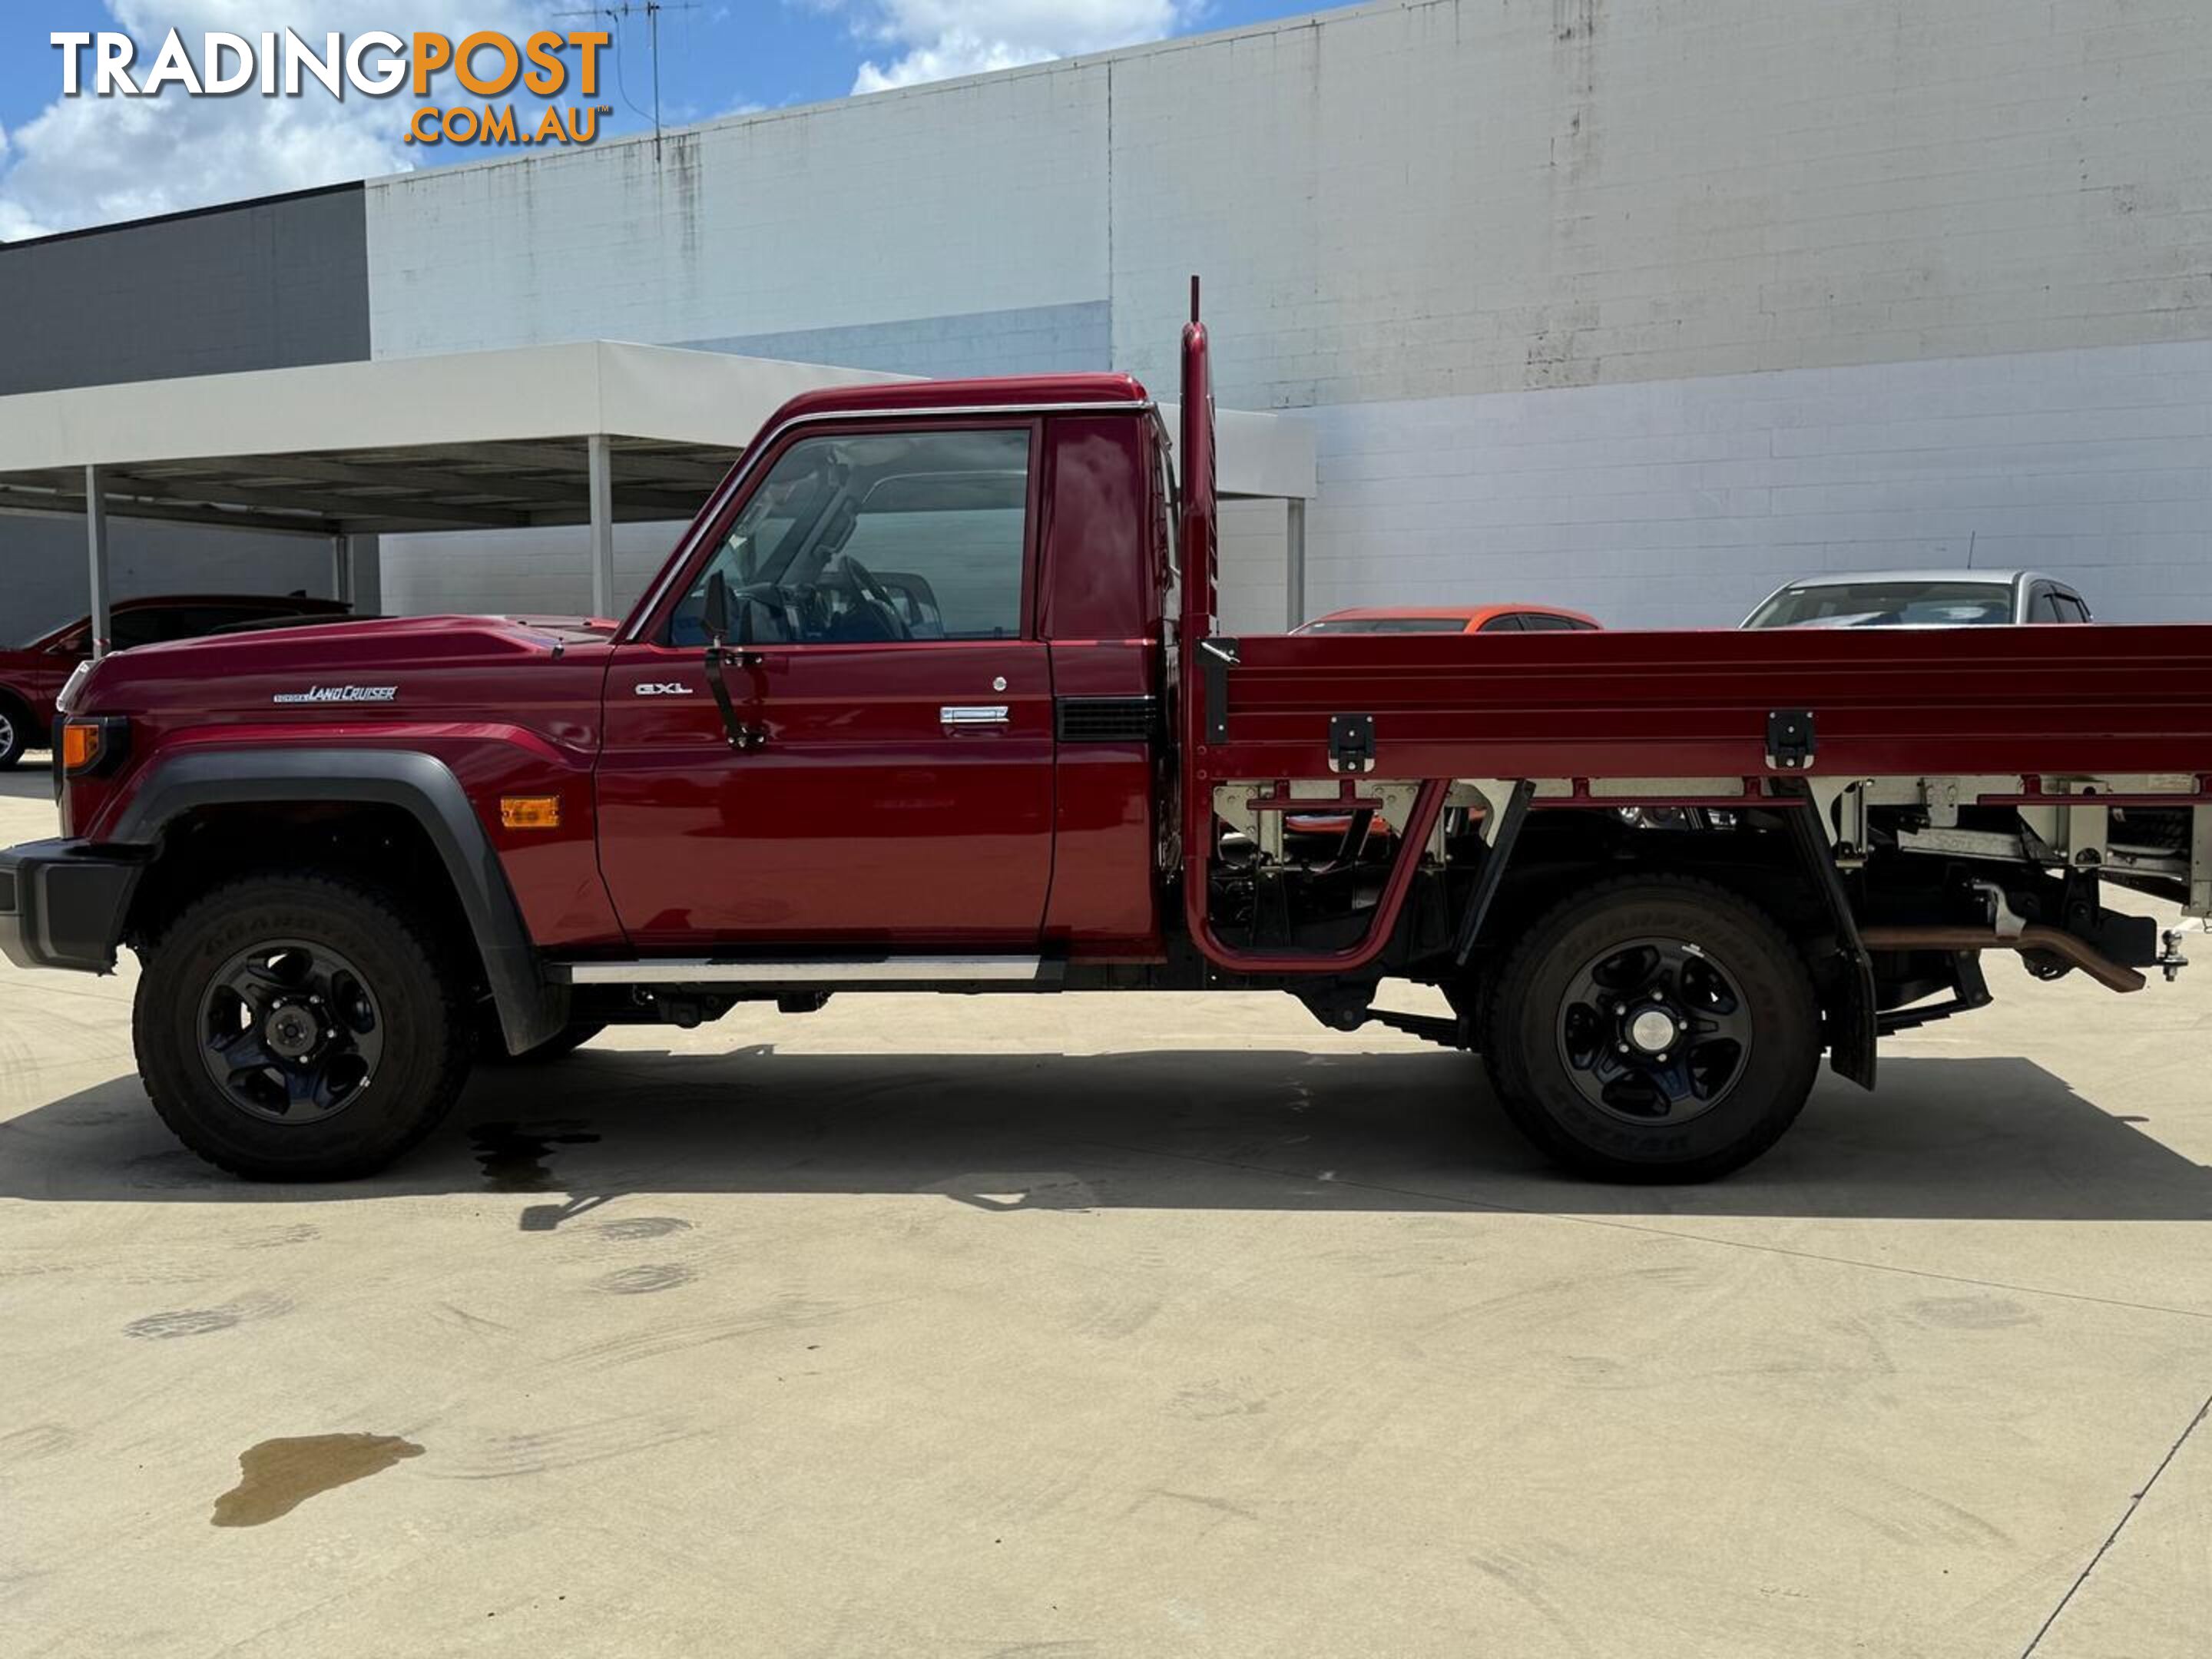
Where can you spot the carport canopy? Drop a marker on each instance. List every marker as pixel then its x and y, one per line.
pixel 595 432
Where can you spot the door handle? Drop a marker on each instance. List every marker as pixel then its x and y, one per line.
pixel 973 713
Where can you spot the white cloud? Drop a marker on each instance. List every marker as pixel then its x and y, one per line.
pixel 88 160
pixel 937 39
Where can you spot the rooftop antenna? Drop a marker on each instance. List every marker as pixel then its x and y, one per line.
pixel 1973 537
pixel 621 11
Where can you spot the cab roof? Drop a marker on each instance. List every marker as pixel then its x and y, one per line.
pixel 1022 391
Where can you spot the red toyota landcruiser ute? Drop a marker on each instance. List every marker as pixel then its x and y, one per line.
pixel 930 696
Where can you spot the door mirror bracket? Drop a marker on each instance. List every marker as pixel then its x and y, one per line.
pixel 716 616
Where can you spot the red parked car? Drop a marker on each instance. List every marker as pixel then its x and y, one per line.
pixel 31 677
pixel 1430 619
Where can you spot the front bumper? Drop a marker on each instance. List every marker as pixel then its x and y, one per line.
pixel 63 904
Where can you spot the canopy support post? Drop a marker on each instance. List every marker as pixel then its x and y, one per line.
pixel 1294 559
pixel 601 453
pixel 95 535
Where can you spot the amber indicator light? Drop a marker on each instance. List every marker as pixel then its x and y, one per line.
pixel 80 746
pixel 530 811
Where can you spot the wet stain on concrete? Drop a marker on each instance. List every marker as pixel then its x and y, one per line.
pixel 277 1476
pixel 512 1154
pixel 643 1281
pixel 1973 1313
pixel 39 1440
pixel 642 1226
pixel 278 1237
pixel 185 1321
pixel 199 1322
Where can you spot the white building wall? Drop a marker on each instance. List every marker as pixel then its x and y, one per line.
pixel 1458 197
pixel 961 201
pixel 1681 503
pixel 1627 303
pixel 545 572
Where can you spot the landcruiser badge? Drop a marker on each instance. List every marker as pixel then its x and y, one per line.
pixel 339 694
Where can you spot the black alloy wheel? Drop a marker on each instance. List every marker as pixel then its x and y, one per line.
pixel 1654 1031
pixel 290 1032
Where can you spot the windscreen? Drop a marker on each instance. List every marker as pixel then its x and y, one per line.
pixel 1887 604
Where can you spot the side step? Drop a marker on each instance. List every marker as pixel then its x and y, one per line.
pixel 833 973
pixel 1429 1028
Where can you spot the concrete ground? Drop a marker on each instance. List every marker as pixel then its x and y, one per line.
pixel 1131 1326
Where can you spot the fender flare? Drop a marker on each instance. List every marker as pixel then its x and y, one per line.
pixel 531 1009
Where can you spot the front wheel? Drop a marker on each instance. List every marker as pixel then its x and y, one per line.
pixel 300 1027
pixel 1653 1029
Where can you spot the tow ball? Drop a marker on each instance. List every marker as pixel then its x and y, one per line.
pixel 2170 960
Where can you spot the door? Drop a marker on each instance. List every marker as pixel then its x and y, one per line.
pixel 881 581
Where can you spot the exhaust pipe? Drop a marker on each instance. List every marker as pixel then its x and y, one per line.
pixel 2057 943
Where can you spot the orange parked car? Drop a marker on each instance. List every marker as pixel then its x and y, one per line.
pixel 1452 619
pixel 1430 619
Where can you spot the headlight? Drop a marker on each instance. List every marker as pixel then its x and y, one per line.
pixel 67 701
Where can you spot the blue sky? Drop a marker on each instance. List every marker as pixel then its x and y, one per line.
pixel 64 163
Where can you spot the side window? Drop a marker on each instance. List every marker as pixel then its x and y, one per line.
pixel 2070 608
pixel 1507 623
pixel 201 620
pixel 2043 608
pixel 146 625
pixel 1538 622
pixel 877 538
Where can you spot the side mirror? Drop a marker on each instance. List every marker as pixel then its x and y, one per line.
pixel 716 614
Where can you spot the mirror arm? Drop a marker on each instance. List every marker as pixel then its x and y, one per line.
pixel 744 738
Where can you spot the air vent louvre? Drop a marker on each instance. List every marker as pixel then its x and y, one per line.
pixel 1108 719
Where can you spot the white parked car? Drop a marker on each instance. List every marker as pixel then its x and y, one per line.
pixel 1920 598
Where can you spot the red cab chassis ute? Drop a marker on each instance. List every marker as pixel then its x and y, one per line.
pixel 929 697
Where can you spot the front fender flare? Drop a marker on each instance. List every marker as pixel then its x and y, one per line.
pixel 531 1009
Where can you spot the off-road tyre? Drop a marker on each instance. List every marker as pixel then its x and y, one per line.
pixel 422 1024
pixel 1527 1048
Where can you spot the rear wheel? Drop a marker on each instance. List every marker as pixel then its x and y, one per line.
pixel 1653 1029
pixel 298 1027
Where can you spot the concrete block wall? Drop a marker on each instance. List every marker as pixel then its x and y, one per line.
pixel 1250 579
pixel 1681 503
pixel 962 200
pixel 1572 286
pixel 1458 197
pixel 544 572
pixel 270 284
